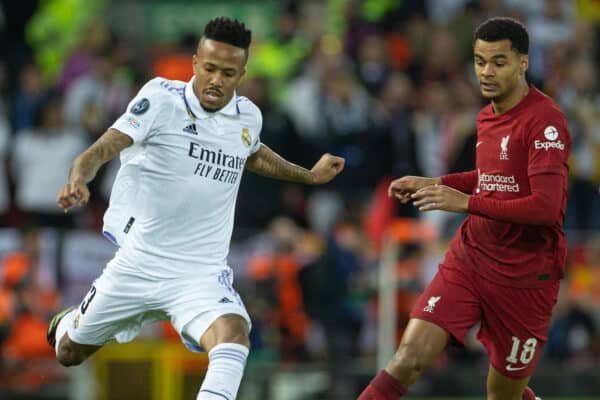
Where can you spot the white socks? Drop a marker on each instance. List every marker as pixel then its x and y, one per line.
pixel 63 326
pixel 226 362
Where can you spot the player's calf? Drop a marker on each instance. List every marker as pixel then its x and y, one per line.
pixel 501 387
pixel 421 343
pixel 407 364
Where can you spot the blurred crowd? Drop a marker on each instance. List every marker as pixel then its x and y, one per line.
pixel 391 91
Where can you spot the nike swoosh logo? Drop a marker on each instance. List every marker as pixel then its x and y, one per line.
pixel 478 143
pixel 511 368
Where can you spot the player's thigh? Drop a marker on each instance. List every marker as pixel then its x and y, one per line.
pixel 514 326
pixel 500 387
pixel 207 304
pixel 451 303
pixel 113 308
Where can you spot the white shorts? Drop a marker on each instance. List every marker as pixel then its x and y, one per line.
pixel 120 303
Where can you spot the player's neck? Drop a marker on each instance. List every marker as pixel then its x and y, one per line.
pixel 503 105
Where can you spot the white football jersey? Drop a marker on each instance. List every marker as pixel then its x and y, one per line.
pixel 173 201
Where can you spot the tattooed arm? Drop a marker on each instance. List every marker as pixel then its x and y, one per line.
pixel 267 163
pixel 85 166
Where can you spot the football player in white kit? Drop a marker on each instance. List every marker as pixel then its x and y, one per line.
pixel 183 149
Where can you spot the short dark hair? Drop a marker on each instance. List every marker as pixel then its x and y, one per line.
pixel 230 31
pixel 501 28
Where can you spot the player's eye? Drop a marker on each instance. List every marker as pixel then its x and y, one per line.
pixel 500 64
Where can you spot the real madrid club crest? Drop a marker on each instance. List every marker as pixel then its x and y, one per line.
pixel 76 321
pixel 246 138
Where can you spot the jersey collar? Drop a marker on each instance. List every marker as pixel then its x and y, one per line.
pixel 195 109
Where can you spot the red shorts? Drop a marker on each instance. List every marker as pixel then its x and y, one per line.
pixel 514 321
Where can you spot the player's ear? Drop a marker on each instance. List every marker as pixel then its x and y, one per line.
pixel 523 63
pixel 195 64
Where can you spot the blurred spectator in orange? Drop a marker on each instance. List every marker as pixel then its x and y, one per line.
pixel 275 274
pixel 176 64
pixel 26 306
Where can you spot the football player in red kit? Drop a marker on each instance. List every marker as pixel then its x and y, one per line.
pixel 505 262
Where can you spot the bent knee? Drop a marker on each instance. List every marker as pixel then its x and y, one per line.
pixel 67 357
pixel 70 354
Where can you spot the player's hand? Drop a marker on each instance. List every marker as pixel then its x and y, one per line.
pixel 73 194
pixel 326 168
pixel 402 188
pixel 440 197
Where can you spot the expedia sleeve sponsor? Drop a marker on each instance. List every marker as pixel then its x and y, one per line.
pixel 549 143
pixel 539 145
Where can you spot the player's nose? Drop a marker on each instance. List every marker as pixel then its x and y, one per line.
pixel 216 80
pixel 488 70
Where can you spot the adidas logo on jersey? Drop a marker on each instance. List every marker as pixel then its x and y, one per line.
pixel 225 300
pixel 191 129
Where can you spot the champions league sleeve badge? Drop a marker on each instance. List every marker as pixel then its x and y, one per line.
pixel 140 107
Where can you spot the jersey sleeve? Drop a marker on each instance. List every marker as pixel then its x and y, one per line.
pixel 541 207
pixel 549 143
pixel 259 121
pixel 140 120
pixel 462 181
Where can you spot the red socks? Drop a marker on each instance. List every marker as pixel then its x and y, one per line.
pixel 383 387
pixel 528 394
pixel 386 387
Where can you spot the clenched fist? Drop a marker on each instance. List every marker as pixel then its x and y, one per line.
pixel 73 194
pixel 326 168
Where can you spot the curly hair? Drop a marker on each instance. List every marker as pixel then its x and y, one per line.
pixel 230 31
pixel 501 28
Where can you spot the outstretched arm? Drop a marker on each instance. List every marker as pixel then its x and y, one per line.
pixel 85 166
pixel 267 163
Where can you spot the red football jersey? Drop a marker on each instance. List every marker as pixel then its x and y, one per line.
pixel 529 139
